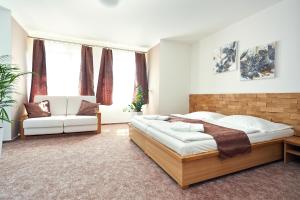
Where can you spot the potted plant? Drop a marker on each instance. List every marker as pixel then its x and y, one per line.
pixel 136 106
pixel 8 75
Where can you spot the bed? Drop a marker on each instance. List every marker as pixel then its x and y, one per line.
pixel 199 160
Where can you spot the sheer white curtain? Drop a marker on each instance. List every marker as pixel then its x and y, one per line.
pixel 124 76
pixel 63 68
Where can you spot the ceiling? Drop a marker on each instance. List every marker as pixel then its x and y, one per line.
pixel 136 23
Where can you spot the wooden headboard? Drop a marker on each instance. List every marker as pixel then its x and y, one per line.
pixel 277 107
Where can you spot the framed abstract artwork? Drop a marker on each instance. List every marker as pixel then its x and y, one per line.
pixel 258 62
pixel 224 58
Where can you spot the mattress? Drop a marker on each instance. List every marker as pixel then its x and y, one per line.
pixel 194 147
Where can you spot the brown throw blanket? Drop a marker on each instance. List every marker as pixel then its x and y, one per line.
pixel 230 142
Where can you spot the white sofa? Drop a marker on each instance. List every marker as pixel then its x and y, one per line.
pixel 63 117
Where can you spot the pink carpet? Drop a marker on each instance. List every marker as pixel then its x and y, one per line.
pixel 110 166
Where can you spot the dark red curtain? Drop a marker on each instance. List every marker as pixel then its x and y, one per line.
pixel 86 79
pixel 141 75
pixel 105 79
pixel 39 76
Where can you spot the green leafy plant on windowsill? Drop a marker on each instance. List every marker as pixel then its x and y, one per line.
pixel 137 103
pixel 9 73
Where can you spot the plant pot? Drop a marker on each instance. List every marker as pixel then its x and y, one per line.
pixel 1 139
pixel 136 113
pixel 139 113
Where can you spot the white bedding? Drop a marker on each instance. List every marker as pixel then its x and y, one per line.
pixel 165 127
pixel 194 142
pixel 190 127
pixel 188 136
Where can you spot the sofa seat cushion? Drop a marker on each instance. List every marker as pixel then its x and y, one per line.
pixel 75 120
pixel 43 131
pixel 44 122
pixel 82 128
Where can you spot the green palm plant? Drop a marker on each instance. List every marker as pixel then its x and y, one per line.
pixel 9 73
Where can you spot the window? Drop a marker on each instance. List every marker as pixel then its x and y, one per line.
pixel 124 76
pixel 63 68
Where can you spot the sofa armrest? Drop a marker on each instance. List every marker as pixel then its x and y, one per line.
pixel 98 114
pixel 22 118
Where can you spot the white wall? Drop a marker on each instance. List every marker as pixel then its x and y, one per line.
pixel 5 49
pixel 169 78
pixel 19 48
pixel 153 61
pixel 174 77
pixel 13 42
pixel 5 33
pixel 280 23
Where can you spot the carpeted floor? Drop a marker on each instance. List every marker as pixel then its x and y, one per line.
pixel 110 166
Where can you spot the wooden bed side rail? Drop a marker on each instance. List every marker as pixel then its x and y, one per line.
pixel 216 153
pixel 168 150
pixel 195 171
pixel 168 160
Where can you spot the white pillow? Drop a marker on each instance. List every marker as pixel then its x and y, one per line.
pixel 254 122
pixel 205 115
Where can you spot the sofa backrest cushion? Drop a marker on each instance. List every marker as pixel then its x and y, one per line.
pixel 75 101
pixel 58 104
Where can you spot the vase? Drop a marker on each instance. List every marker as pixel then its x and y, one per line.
pixel 136 114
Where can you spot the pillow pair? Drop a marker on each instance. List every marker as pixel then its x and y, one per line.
pixel 42 109
pixel 254 122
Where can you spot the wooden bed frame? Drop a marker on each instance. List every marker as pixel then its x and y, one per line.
pixel 186 170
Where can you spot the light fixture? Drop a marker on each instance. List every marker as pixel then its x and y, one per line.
pixel 110 3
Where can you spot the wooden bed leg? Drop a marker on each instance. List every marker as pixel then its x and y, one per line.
pixel 22 135
pixel 98 122
pixel 184 187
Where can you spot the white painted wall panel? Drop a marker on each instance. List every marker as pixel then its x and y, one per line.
pixel 281 23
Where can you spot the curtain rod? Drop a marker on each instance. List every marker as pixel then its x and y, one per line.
pixel 78 43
